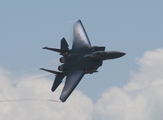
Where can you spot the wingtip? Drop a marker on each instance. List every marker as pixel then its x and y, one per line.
pixel 44 47
pixel 52 90
pixel 62 100
pixel 79 20
pixel 41 68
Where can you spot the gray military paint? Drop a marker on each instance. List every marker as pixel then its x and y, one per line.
pixel 80 60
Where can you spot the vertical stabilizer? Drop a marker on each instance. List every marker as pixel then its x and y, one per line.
pixel 57 81
pixel 64 45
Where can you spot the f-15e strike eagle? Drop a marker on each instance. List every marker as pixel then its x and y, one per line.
pixel 78 61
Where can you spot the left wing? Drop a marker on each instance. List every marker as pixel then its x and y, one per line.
pixel 80 39
pixel 72 80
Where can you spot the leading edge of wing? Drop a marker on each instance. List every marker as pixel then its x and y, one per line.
pixel 72 80
pixel 80 39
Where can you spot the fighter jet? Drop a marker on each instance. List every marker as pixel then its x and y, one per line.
pixel 82 59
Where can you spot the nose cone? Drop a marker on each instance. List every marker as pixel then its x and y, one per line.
pixel 120 54
pixel 115 54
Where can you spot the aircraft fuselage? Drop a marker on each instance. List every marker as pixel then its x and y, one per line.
pixel 88 59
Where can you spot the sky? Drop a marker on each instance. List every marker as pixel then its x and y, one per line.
pixel 127 88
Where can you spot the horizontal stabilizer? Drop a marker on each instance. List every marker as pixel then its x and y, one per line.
pixel 55 49
pixel 51 71
pixel 61 51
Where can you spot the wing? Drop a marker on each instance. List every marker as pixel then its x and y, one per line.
pixel 80 39
pixel 72 80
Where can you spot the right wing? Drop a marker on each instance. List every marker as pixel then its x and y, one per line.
pixel 72 80
pixel 80 39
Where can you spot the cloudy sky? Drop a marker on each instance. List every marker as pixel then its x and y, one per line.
pixel 129 88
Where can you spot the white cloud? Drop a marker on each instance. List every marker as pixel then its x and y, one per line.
pixel 150 71
pixel 38 87
pixel 140 99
